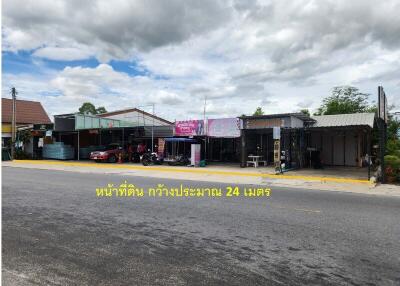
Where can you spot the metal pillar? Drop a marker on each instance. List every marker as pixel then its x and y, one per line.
pixel 243 147
pixel 123 137
pixel 369 152
pixel 152 132
pixel 382 148
pixel 78 145
pixel 13 121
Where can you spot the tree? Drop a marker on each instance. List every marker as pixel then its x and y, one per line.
pixel 89 108
pixel 24 136
pixel 258 111
pixel 101 110
pixel 305 111
pixel 344 99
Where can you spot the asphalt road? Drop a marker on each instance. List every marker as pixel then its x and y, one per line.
pixel 57 232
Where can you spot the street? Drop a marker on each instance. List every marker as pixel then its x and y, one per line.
pixel 56 231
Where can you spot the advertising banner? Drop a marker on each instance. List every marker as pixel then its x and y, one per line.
pixel 225 127
pixel 189 128
pixel 161 146
pixel 195 155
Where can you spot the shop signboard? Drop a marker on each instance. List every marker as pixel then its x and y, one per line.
pixel 93 131
pixel 223 128
pixel 264 123
pixel 195 155
pixel 42 127
pixel 161 145
pixel 189 128
pixel 277 155
pixel 382 104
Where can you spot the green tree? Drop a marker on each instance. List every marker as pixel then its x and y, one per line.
pixel 344 99
pixel 24 136
pixel 305 111
pixel 87 108
pixel 258 111
pixel 101 110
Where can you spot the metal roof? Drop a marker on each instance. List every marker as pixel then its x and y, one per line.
pixel 298 115
pixel 340 120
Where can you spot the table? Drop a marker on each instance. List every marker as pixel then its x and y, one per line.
pixel 255 160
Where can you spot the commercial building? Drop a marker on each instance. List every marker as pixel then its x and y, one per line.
pixel 86 133
pixel 330 140
pixel 28 115
pixel 305 141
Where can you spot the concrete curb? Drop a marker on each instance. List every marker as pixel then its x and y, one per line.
pixel 196 171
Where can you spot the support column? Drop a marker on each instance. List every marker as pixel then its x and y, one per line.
pixel 359 153
pixel 369 152
pixel 123 137
pixel 243 148
pixel 78 145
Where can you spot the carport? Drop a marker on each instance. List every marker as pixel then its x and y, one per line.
pixel 87 131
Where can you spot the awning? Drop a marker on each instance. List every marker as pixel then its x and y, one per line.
pixel 344 120
pixel 180 140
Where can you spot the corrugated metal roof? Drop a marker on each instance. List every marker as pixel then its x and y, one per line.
pixel 354 119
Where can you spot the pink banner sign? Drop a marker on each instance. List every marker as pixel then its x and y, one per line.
pixel 189 128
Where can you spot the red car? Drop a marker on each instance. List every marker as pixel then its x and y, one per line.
pixel 110 154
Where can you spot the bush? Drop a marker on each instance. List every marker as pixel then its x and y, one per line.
pixel 393 162
pixel 392 168
pixel 396 153
pixel 393 147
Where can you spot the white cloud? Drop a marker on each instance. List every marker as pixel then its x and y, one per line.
pixel 62 54
pixel 282 55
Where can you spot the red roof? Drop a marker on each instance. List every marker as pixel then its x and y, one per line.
pixel 28 112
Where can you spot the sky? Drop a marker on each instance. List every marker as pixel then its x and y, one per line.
pixel 280 55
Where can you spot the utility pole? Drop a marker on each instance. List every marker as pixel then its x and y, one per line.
pixel 152 133
pixel 382 125
pixel 205 129
pixel 13 121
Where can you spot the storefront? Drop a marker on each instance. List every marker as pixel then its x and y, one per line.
pixel 327 140
pixel 87 133
pixel 219 138
pixel 257 137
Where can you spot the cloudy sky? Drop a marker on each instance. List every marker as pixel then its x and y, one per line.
pixel 280 55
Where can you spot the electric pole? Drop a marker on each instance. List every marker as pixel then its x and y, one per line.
pixel 205 129
pixel 13 121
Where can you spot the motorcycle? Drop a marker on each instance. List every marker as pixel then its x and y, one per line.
pixel 151 158
pixel 180 160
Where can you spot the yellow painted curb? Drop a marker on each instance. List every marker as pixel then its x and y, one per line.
pixel 194 171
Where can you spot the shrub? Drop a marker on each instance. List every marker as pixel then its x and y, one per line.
pixel 393 162
pixel 393 147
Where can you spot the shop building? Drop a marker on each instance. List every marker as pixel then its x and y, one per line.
pixel 306 141
pixel 219 138
pixel 29 116
pixel 86 133
pixel 332 140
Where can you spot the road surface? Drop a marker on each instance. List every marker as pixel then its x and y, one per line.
pixel 56 231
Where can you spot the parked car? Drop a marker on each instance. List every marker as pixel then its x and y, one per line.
pixel 110 154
